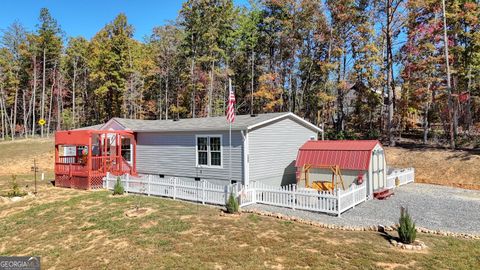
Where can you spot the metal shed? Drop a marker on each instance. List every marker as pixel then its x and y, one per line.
pixel 357 159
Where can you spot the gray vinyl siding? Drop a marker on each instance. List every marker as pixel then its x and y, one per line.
pixel 174 154
pixel 273 149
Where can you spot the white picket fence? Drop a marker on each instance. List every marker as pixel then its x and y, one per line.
pixel 197 191
pixel 203 192
pixel 404 176
pixel 294 197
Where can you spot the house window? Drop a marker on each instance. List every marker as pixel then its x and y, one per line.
pixel 126 149
pixel 202 150
pixel 209 151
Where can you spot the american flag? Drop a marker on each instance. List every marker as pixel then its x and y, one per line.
pixel 231 107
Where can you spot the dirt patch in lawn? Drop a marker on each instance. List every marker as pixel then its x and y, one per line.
pixel 393 266
pixel 140 212
pixel 438 166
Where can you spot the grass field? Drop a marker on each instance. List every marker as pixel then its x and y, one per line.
pixel 89 230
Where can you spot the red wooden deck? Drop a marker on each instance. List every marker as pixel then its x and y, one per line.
pixel 102 153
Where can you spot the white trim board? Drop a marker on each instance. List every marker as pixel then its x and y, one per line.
pixel 109 123
pixel 294 116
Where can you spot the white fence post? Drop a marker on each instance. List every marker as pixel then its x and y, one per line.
pixel 127 184
pixel 106 180
pixel 203 191
pixel 353 195
pixel 227 187
pixel 294 198
pixel 174 188
pixel 338 202
pixel 149 184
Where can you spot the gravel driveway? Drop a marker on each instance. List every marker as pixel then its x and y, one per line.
pixel 432 207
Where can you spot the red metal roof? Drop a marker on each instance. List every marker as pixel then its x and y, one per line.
pixel 348 154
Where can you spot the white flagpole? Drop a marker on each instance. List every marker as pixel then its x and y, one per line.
pixel 230 135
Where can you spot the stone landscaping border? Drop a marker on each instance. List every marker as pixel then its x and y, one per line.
pixel 374 228
pixel 417 245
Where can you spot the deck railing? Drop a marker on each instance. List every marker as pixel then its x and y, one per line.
pixel 100 165
pixel 203 191
pixel 70 169
pixel 68 159
pixel 114 164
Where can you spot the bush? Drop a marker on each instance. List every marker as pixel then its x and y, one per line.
pixel 406 229
pixel 372 134
pixel 118 188
pixel 232 204
pixel 342 135
pixel 15 188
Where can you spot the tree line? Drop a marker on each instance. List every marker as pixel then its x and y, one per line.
pixel 360 68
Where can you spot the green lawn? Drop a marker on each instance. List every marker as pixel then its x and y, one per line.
pixel 89 230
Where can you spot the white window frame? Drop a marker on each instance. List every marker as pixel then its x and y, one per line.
pixel 208 136
pixel 131 150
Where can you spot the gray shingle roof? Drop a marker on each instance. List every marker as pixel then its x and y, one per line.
pixel 242 122
pixel 94 127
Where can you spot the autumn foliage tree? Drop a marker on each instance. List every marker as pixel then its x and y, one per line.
pixel 374 69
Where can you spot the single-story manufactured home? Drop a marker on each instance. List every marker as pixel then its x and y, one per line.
pixel 357 160
pixel 263 147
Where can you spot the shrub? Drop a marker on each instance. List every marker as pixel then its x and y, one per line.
pixel 232 204
pixel 406 229
pixel 342 135
pixel 118 188
pixel 372 134
pixel 15 188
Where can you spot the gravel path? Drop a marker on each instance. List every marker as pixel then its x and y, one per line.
pixel 432 207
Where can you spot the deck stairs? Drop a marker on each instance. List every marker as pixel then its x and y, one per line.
pixel 382 194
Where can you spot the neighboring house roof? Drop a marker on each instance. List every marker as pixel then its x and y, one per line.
pixel 242 122
pixel 94 127
pixel 348 154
